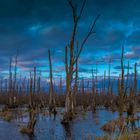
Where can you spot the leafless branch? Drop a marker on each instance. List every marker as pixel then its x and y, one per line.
pixel 86 38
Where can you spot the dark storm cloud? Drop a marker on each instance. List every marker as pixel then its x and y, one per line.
pixel 119 67
pixel 36 25
pixel 134 53
pixel 134 38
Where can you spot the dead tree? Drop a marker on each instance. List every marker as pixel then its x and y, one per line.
pixel 127 82
pixel 134 91
pixel 34 87
pixel 1 85
pixel 76 79
pixel 93 100
pixel 15 72
pixel 6 85
pixel 29 129
pixel 23 86
pixel 134 85
pixel 51 95
pixel 135 79
pixel 132 102
pixel 109 83
pixel 93 83
pixel 71 60
pixel 96 80
pixel 30 91
pixel 61 85
pixel 10 83
pixel 121 88
pixel 122 73
pixel 104 82
pixel 38 84
pixel 131 90
pixel 10 76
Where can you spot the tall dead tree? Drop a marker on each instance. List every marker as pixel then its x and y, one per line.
pixel 76 79
pixel 121 88
pixel 23 90
pixel 83 86
pixel 34 87
pixel 10 76
pixel 131 101
pixel 30 90
pixel 1 85
pixel 127 82
pixel 122 73
pixel 61 85
pixel 104 82
pixel 38 83
pixel 71 60
pixel 93 100
pixel 51 95
pixel 135 79
pixel 109 83
pixel 93 83
pixel 133 90
pixel 15 72
pixel 6 85
pixel 29 129
pixel 96 80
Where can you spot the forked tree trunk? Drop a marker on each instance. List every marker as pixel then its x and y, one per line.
pixel 70 61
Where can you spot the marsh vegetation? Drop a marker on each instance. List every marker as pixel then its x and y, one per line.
pixel 101 107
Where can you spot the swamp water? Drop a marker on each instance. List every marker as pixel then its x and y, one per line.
pixel 48 128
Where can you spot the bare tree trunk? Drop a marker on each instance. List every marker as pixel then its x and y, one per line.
pixel 51 98
pixel 127 82
pixel 105 82
pixel 69 98
pixel 61 85
pixel 72 59
pixel 10 76
pixel 121 97
pixel 6 86
pixel 23 91
pixel 34 88
pixel 1 85
pixel 93 101
pixel 15 74
pixel 135 79
pixel 96 80
pixel 10 83
pixel 135 86
pixel 30 92
pixel 38 85
pixel 109 84
pixel 29 129
pixel 76 79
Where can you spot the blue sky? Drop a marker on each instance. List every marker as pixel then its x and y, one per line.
pixel 34 26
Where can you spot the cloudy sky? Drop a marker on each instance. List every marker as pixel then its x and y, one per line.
pixel 34 26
